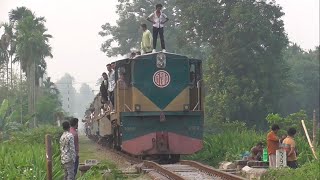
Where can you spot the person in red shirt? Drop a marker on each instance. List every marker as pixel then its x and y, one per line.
pixel 73 131
pixel 273 144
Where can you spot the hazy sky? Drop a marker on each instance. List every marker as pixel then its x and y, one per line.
pixel 75 24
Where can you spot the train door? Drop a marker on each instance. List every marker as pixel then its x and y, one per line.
pixel 123 98
pixel 195 84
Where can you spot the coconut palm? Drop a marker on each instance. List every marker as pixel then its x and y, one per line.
pixel 7 48
pixel 32 48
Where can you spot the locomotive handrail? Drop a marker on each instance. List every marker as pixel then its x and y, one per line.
pixel 127 107
pixel 198 89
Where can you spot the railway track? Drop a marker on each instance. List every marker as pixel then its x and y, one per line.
pixel 187 170
pixel 183 170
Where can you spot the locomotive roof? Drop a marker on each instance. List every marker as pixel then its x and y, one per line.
pixel 152 54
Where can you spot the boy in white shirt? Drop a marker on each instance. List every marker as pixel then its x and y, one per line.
pixel 158 19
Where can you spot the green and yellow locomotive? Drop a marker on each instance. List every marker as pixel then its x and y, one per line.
pixel 158 106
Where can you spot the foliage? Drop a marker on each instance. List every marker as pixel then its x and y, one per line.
pixel 246 73
pixel 309 170
pixel 25 40
pixel 3 112
pixel 227 146
pixel 103 169
pixel 37 135
pixel 292 120
pixel 304 75
pixel 127 36
pixel 16 114
pixel 23 156
pixel 47 107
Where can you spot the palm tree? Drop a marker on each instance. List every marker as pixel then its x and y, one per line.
pixel 8 48
pixel 32 48
pixel 51 86
pixel 4 45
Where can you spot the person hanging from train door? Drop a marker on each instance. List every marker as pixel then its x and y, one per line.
pixel 104 90
pixel 111 84
pixel 146 41
pixel 158 18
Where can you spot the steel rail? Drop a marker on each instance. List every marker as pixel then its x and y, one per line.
pixel 211 171
pixel 162 170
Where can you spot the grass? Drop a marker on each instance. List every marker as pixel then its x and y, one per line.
pixel 310 170
pixel 88 150
pixel 23 156
pixel 229 145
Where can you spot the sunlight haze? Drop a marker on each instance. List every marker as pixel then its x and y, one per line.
pixel 75 26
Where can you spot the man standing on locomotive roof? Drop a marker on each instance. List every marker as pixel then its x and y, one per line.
pixel 158 19
pixel 146 41
pixel 111 83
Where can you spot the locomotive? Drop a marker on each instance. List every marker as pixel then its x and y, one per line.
pixel 159 107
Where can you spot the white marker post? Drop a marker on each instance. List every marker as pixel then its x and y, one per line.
pixel 281 158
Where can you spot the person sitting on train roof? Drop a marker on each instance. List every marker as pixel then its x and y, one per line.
pixel 111 83
pixel 158 18
pixel 146 41
pixel 132 55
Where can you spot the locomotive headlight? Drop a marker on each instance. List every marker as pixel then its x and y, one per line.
pixel 161 60
pixel 186 107
pixel 137 107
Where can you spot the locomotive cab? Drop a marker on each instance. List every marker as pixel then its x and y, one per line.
pixel 159 105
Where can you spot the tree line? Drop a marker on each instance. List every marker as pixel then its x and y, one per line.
pixel 251 68
pixel 28 94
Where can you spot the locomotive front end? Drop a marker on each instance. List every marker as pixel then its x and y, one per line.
pixel 165 112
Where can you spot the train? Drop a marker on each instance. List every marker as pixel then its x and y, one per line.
pixel 159 107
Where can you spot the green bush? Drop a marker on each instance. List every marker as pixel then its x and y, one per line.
pixel 96 172
pixel 227 146
pixel 230 144
pixel 309 170
pixel 23 156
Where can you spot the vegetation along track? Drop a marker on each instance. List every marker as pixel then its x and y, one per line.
pixel 189 170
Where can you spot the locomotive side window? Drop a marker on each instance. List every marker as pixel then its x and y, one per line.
pixel 195 77
pixel 192 75
pixel 123 77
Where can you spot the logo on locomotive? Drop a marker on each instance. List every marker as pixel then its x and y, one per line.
pixel 161 78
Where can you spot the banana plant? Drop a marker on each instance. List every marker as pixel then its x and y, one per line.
pixel 3 113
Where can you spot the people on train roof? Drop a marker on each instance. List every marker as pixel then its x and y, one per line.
pixel 158 18
pixel 147 40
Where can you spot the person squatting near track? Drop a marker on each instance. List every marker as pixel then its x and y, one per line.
pixel 158 18
pixel 74 132
pixel 68 152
